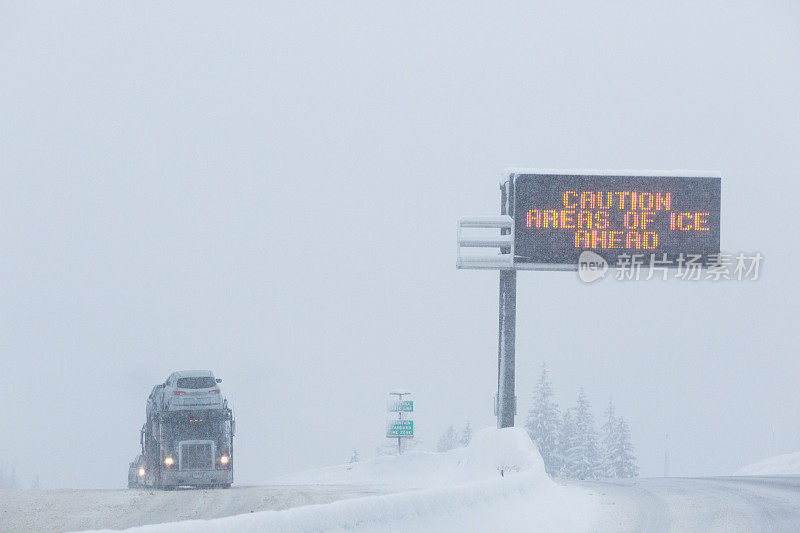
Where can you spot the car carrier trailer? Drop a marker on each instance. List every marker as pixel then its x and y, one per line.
pixel 186 447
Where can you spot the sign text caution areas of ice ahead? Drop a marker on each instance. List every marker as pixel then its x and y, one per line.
pixel 559 215
pixel 405 406
pixel 400 428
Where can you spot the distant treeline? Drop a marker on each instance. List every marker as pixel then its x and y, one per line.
pixel 8 477
pixel 568 442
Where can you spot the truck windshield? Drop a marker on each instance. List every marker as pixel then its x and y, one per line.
pixel 198 429
pixel 202 382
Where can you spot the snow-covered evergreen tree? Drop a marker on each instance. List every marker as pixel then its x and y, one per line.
pixel 583 456
pixel 466 436
pixel 543 424
pixel 609 442
pixel 447 441
pixel 566 442
pixel 622 461
pixel 354 457
pixel 8 477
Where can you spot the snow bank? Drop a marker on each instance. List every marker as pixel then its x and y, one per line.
pixel 470 495
pixel 489 451
pixel 780 465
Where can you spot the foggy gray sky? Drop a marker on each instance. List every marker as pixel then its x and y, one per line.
pixel 272 193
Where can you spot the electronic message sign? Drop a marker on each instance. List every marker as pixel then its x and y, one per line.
pixel 558 215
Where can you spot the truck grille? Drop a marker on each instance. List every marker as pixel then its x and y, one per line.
pixel 197 456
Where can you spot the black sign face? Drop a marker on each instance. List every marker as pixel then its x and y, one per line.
pixel 559 216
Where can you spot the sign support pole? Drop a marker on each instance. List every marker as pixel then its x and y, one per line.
pixel 400 395
pixel 399 417
pixel 506 398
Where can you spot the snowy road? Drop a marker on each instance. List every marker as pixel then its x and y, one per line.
pixel 75 510
pixel 699 504
pixel 657 504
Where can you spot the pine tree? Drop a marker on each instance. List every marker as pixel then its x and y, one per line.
pixel 623 460
pixel 447 441
pixel 543 424
pixel 584 455
pixel 566 443
pixel 609 433
pixel 466 436
pixel 354 457
pixel 8 477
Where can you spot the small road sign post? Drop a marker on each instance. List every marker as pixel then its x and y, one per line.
pixel 401 427
pixel 548 218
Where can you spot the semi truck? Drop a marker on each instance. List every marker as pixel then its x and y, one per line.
pixel 187 438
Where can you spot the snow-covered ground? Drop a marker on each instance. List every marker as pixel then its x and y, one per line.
pixel 780 465
pixel 461 490
pixel 698 504
pixel 78 510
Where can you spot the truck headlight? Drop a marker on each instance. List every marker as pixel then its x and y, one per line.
pixel 141 471
pixel 169 461
pixel 224 459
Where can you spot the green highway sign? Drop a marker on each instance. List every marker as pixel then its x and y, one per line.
pixel 400 428
pixel 405 406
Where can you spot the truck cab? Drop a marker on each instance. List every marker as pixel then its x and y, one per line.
pixel 197 448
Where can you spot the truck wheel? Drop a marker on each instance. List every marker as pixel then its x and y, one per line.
pixel 226 485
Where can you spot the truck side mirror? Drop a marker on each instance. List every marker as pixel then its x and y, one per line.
pixel 218 380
